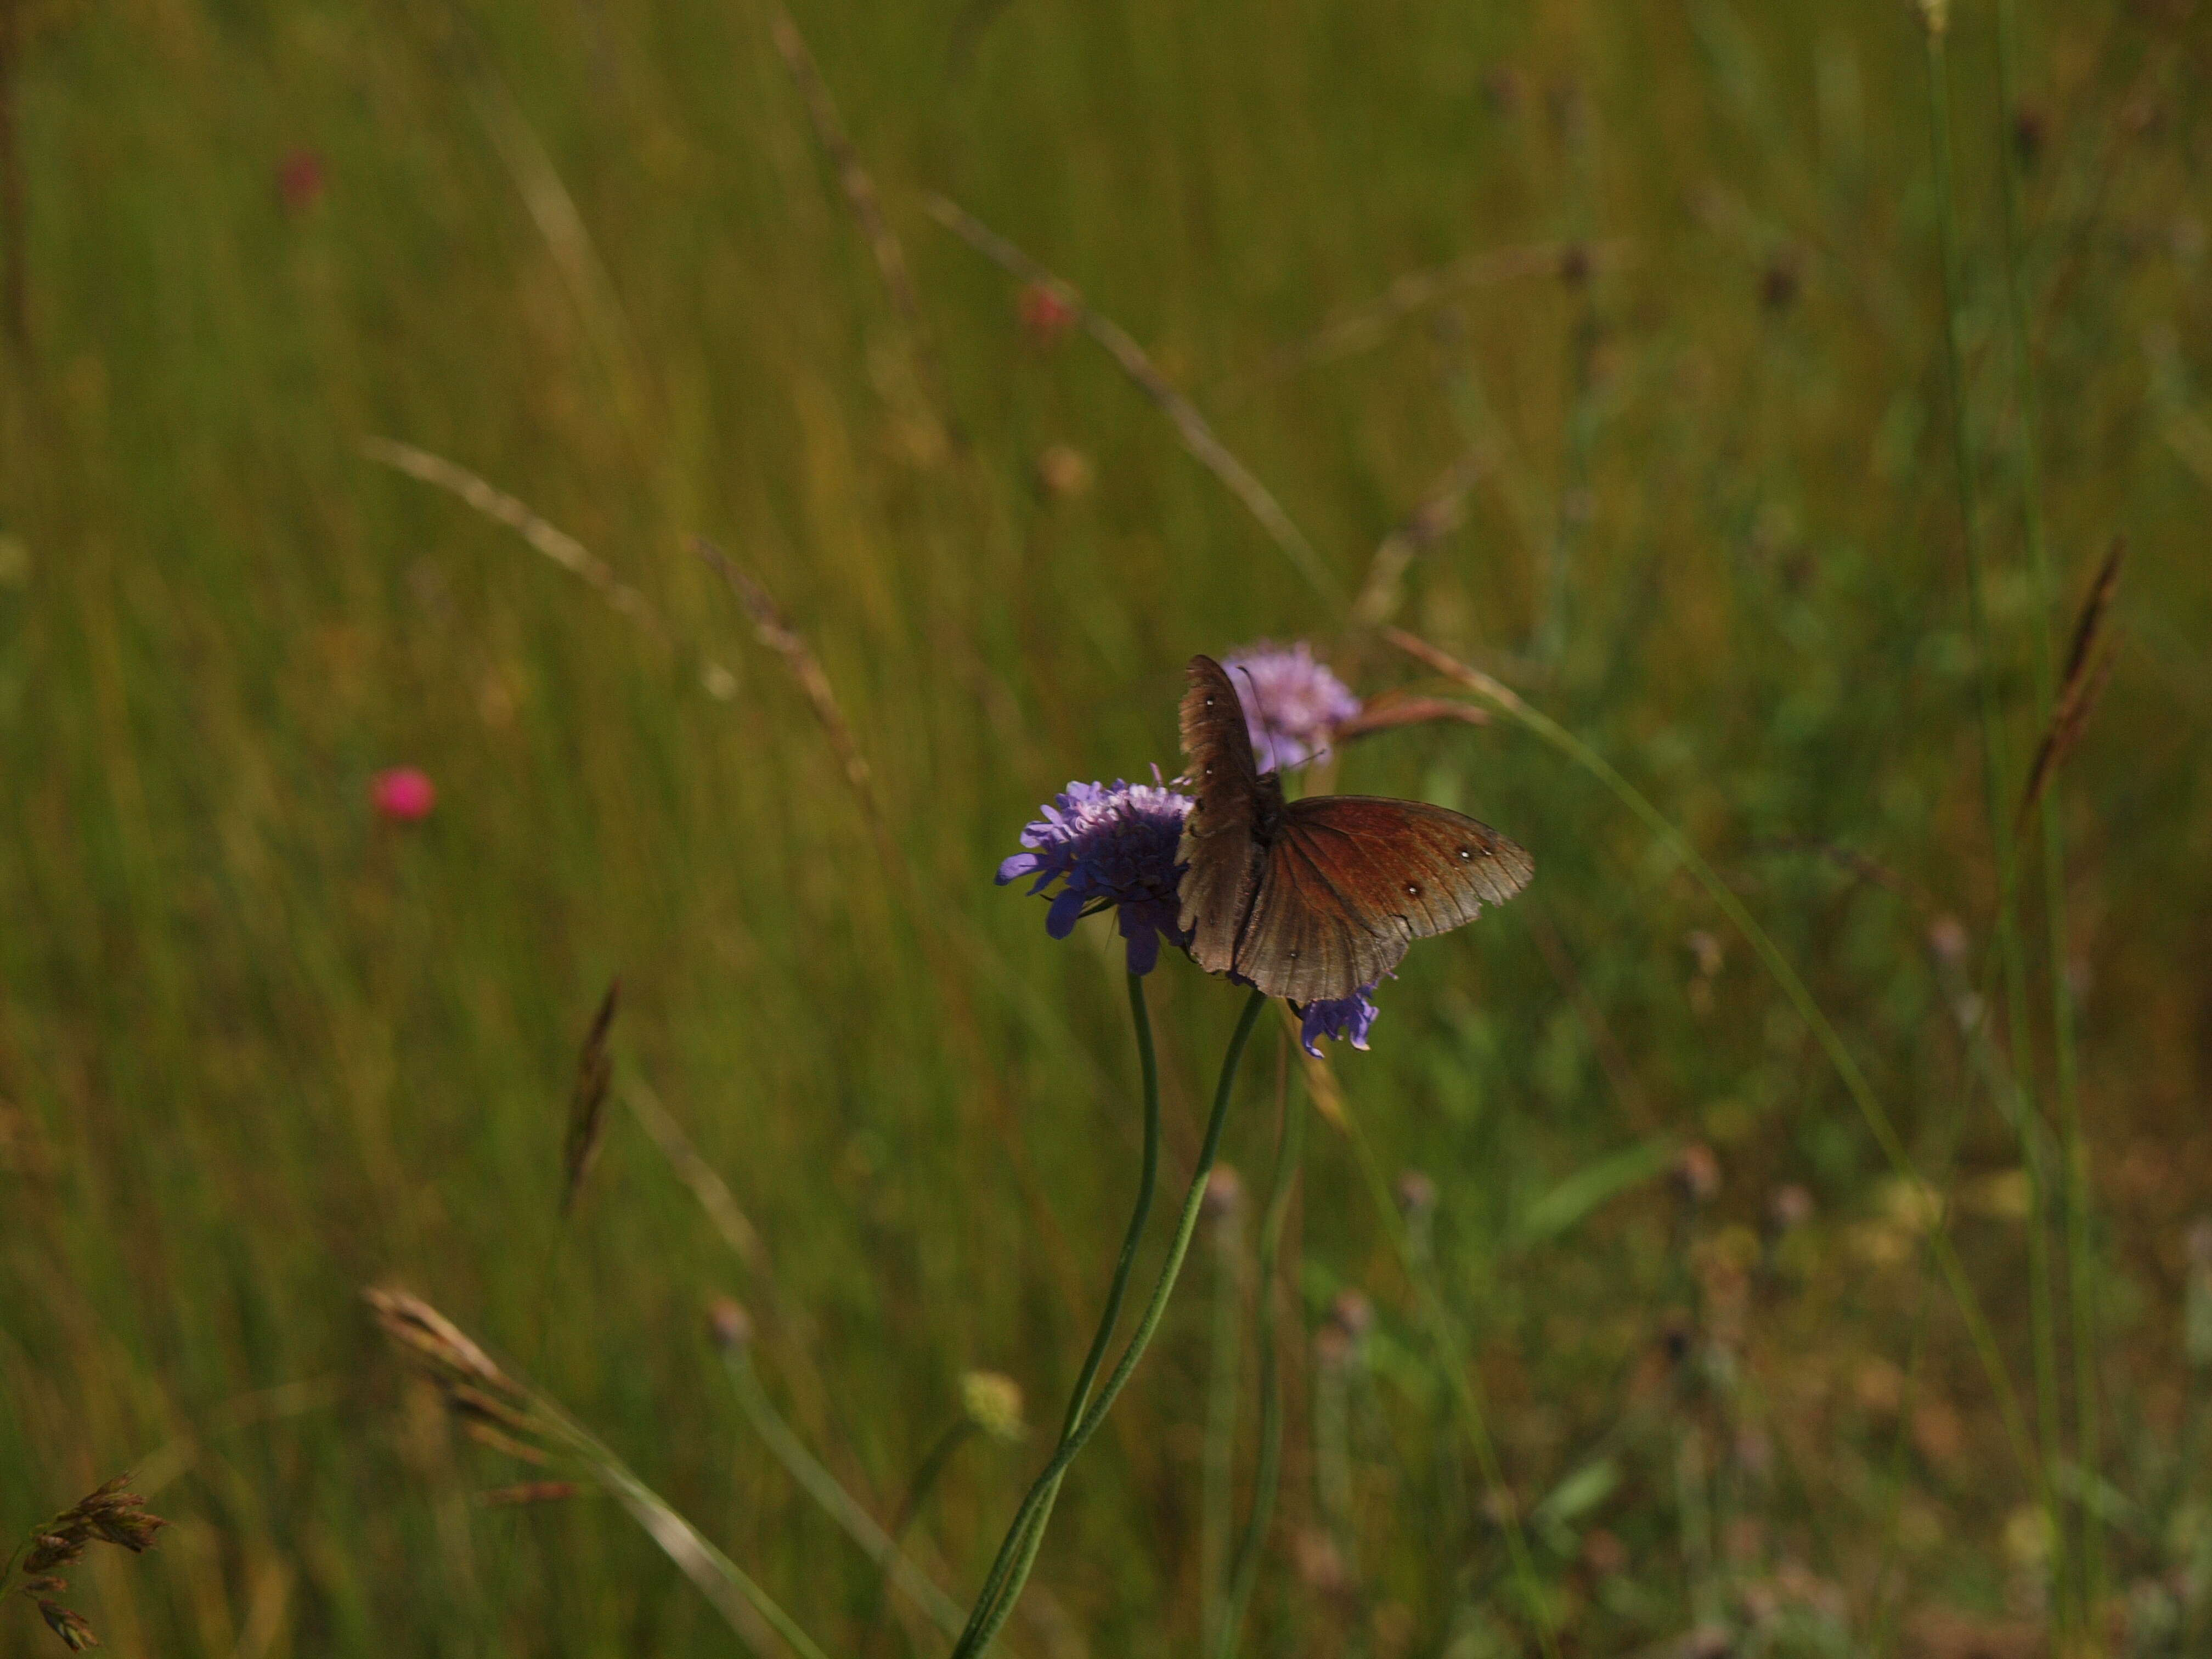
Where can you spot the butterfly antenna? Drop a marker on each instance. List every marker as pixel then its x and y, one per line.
pixel 1254 685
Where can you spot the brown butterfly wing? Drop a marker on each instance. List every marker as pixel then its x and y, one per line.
pixel 1221 837
pixel 1352 880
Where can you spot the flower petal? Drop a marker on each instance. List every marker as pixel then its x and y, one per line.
pixel 1143 941
pixel 1066 910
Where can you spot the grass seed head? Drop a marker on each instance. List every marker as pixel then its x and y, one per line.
pixel 434 1340
pixel 1697 1174
pixel 110 1515
pixel 993 1403
pixel 1416 1194
pixel 732 1325
pixel 2087 670
pixel 587 1102
pixel 1224 1193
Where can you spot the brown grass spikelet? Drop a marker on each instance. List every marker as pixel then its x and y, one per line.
pixel 69 1624
pixel 110 1515
pixel 2087 670
pixel 529 1492
pixel 476 1406
pixel 588 1101
pixel 505 1445
pixel 1387 711
pixel 432 1339
pixel 492 1408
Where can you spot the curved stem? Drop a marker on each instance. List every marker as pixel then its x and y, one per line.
pixel 1288 1151
pixel 1148 1066
pixel 1018 1553
pixel 1219 1466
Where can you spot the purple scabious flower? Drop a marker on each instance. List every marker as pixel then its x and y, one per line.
pixel 1113 846
pixel 1291 701
pixel 1346 1019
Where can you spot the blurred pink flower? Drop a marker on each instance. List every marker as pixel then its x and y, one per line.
pixel 403 794
pixel 1046 315
pixel 301 180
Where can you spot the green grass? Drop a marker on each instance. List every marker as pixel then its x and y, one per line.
pixel 257 1051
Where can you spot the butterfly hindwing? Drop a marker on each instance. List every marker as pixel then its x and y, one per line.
pixel 1352 880
pixel 1308 938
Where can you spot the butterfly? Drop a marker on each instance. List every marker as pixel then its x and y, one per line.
pixel 1310 900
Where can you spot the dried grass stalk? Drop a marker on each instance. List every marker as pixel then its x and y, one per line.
pixel 587 1102
pixel 1434 516
pixel 1197 436
pixel 776 632
pixel 1357 327
pixel 555 543
pixel 861 195
pixel 1387 710
pixel 483 1395
pixel 2087 670
pixel 712 1193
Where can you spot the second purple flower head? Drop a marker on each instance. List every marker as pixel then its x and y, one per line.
pixel 1293 703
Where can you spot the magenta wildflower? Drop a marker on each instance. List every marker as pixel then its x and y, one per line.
pixel 403 794
pixel 1046 315
pixel 301 181
pixel 1346 1018
pixel 1112 847
pixel 1293 703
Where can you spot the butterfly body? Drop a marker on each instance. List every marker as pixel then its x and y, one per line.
pixel 1310 900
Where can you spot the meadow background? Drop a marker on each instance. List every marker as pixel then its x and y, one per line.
pixel 1689 449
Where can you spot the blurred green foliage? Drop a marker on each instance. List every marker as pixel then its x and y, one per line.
pixel 258 1050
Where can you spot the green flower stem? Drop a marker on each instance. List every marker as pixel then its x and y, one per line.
pixel 825 1489
pixel 1148 1064
pixel 1876 1116
pixel 1018 1552
pixel 1221 1387
pixel 1266 1476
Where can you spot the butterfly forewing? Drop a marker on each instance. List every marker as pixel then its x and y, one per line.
pixel 1220 843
